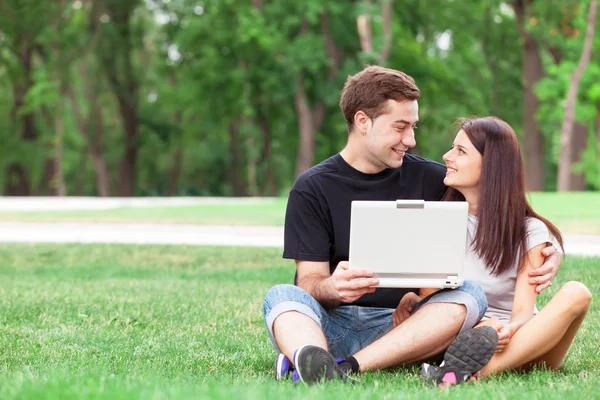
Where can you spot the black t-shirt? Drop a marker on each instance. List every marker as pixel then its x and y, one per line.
pixel 317 219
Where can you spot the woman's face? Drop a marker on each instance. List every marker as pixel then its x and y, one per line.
pixel 463 163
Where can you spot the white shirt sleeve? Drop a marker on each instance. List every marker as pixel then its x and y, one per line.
pixel 537 233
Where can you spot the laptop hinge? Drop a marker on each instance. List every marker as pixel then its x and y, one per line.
pixel 410 203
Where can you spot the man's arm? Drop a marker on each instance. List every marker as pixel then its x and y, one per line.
pixel 343 286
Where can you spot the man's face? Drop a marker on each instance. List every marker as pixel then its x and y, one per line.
pixel 391 134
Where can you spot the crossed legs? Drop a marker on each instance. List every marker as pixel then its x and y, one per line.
pixel 545 339
pixel 429 331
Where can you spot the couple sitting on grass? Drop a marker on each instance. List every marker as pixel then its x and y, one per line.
pixel 332 326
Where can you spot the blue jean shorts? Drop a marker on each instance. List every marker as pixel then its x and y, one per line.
pixel 350 328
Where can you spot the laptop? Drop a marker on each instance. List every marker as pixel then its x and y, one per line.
pixel 410 243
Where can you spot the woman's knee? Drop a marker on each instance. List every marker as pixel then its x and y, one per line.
pixel 577 295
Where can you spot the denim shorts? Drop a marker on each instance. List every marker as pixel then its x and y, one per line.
pixel 350 328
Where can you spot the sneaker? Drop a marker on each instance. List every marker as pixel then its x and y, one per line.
pixel 466 356
pixel 283 367
pixel 285 370
pixel 313 365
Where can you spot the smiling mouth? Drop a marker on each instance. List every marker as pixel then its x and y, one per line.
pixel 450 170
pixel 401 152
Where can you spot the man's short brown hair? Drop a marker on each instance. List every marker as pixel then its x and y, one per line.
pixel 371 88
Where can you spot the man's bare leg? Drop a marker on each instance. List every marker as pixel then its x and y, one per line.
pixel 293 330
pixel 427 332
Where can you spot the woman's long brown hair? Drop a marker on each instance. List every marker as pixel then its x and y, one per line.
pixel 502 207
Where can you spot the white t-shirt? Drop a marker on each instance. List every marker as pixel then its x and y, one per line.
pixel 500 290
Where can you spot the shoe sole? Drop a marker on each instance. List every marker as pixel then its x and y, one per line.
pixel 472 349
pixel 325 369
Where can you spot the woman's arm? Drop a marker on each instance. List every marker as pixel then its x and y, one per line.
pixel 525 294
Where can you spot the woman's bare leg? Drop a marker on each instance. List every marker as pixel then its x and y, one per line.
pixel 554 358
pixel 547 336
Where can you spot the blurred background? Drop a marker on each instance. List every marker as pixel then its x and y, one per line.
pixel 237 97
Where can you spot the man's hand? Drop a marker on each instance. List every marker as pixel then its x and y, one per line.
pixel 348 285
pixel 542 276
pixel 406 306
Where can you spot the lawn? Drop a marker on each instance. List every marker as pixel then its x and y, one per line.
pixel 577 212
pixel 178 322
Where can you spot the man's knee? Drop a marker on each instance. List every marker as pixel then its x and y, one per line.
pixel 475 291
pixel 280 293
pixel 287 298
pixel 470 297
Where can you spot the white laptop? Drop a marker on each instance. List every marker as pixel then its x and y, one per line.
pixel 410 243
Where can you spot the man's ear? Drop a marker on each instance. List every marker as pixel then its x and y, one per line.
pixel 361 121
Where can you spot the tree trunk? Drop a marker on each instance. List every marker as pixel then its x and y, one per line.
pixel 268 186
pixel 598 129
pixel 365 31
pixel 311 120
pixel 59 184
pixel 490 59
pixel 129 160
pixel 533 71
pixel 307 131
pixel 116 53
pixel 102 180
pixel 80 176
pixel 580 140
pixel 17 182
pixel 252 164
pixel 54 179
pixel 237 162
pixel 566 131
pixel 363 25
pixel 386 13
pixel 176 170
pixel 93 140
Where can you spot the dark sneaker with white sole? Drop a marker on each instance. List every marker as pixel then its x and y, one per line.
pixel 313 364
pixel 285 370
pixel 467 355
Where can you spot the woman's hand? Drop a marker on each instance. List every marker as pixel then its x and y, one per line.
pixel 504 332
pixel 504 335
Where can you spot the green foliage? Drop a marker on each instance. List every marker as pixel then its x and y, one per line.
pixel 212 84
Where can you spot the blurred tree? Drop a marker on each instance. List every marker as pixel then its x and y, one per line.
pixel 533 72
pixel 231 97
pixel 21 22
pixel 566 134
pixel 116 51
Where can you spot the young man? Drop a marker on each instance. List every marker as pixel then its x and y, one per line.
pixel 333 311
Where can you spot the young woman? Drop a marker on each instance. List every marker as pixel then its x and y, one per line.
pixel 485 168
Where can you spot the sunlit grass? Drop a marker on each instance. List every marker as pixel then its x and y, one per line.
pixel 184 322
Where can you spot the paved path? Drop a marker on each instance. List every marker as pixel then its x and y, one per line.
pixel 19 204
pixel 260 236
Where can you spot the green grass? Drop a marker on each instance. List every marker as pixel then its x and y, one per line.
pixel 177 322
pixel 577 212
pixel 269 212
